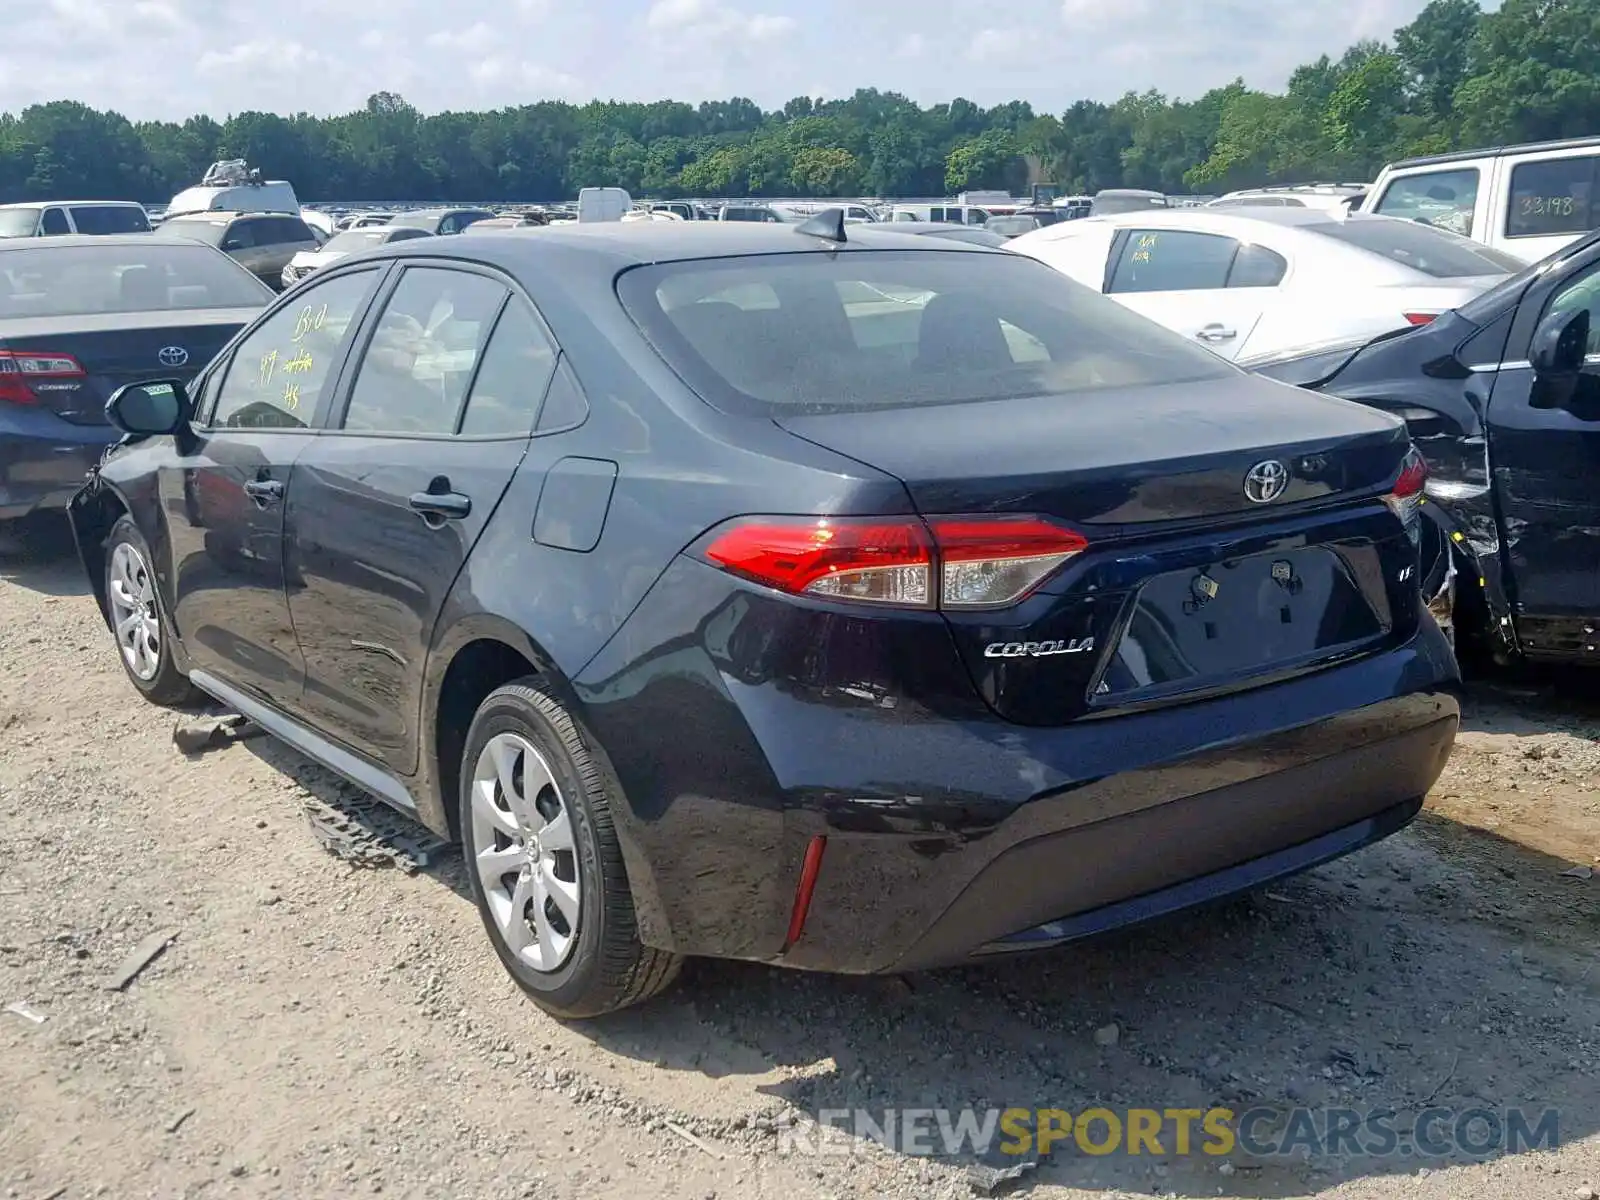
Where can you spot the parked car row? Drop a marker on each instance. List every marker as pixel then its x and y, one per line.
pixel 998 520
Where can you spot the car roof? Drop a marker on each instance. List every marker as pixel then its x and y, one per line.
pixel 1242 217
pixel 442 212
pixel 1461 156
pixel 218 216
pixel 78 239
pixel 616 245
pixel 73 204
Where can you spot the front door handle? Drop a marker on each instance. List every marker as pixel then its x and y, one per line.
pixel 264 491
pixel 1216 332
pixel 451 506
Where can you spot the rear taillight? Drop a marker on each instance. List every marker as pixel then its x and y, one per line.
pixel 1419 318
pixel 1405 498
pixel 20 368
pixel 943 562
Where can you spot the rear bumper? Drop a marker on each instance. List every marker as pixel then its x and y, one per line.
pixel 952 834
pixel 44 460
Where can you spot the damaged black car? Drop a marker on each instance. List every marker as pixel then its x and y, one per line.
pixel 1502 397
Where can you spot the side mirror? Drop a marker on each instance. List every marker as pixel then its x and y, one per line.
pixel 149 409
pixel 1559 345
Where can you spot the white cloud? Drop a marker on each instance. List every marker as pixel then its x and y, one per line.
pixel 477 38
pixel 911 46
pixel 707 20
pixel 997 45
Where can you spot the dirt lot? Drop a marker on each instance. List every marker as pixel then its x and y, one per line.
pixel 316 1030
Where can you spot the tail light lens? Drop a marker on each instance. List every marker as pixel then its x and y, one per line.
pixel 943 562
pixel 1405 498
pixel 1420 318
pixel 19 368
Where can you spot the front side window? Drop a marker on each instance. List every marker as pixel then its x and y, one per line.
pixel 414 373
pixel 1581 293
pixel 241 235
pixel 1444 198
pixel 889 329
pixel 280 374
pixel 1168 260
pixel 1552 197
pixel 54 223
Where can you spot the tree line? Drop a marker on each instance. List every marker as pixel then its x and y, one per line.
pixel 1456 76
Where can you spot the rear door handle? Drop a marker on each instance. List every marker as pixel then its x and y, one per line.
pixel 264 491
pixel 1216 332
pixel 452 506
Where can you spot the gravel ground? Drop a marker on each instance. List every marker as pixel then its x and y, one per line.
pixel 317 1030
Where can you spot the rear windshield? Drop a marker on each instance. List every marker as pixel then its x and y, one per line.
pixel 110 218
pixel 203 229
pixel 355 240
pixel 1434 252
pixel 59 281
pixel 818 332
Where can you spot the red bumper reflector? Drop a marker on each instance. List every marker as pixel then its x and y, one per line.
pixel 808 883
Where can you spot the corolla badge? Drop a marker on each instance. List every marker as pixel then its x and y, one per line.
pixel 1038 649
pixel 1265 481
pixel 172 356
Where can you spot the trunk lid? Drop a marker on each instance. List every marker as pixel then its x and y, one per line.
pixel 1188 586
pixel 1171 453
pixel 115 349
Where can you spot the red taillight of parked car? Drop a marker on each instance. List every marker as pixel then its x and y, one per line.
pixel 941 562
pixel 1405 498
pixel 1420 318
pixel 19 369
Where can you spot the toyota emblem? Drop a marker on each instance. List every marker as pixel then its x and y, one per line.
pixel 172 356
pixel 1266 481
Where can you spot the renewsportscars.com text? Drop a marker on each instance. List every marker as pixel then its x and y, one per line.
pixel 1259 1132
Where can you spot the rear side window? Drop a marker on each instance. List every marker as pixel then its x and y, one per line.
pixel 1555 196
pixel 1167 260
pixel 414 373
pixel 1256 266
pixel 279 231
pixel 1445 199
pixel 512 378
pixel 1432 251
pixel 54 223
pixel 110 218
pixel 889 329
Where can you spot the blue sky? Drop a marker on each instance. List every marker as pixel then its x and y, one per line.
pixel 171 58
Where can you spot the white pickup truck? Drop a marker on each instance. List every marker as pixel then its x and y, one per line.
pixel 1527 200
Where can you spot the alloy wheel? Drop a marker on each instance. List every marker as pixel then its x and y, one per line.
pixel 132 593
pixel 525 853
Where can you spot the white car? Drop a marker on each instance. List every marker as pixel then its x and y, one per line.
pixel 1250 282
pixel 341 245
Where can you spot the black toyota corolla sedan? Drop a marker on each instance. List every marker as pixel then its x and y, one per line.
pixel 814 595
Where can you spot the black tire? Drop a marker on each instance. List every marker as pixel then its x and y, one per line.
pixel 168 686
pixel 608 968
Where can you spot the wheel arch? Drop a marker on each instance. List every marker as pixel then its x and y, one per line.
pixel 478 654
pixel 92 513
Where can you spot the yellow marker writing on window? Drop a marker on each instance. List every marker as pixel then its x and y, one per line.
pixel 310 319
pixel 269 363
pixel 291 396
pixel 299 364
